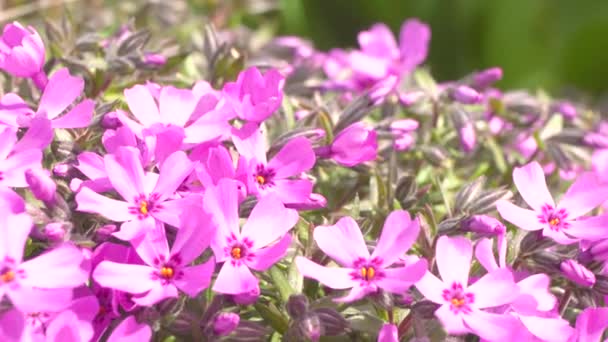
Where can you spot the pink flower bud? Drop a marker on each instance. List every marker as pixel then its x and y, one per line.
pixel 41 184
pixel 247 298
pixel 466 95
pixel 487 77
pixel 468 138
pixel 154 59
pixel 577 273
pixel 110 121
pixel 54 231
pixel 566 109
pixel 354 145
pixel 388 333
pixel 61 170
pixel 225 323
pixel 21 51
pixel 484 224
pixel 404 126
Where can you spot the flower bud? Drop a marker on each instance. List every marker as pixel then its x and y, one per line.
pixel 354 145
pixel 408 99
pixel 247 298
pixel 466 95
pixel 110 121
pixel 404 126
pixel 486 77
pixel 297 306
pixel 41 185
pixel 577 273
pixel 154 59
pixel 601 284
pixel 310 327
pixel 468 138
pixel 55 231
pixel 403 143
pixel 61 170
pixel 225 323
pixel 104 232
pixel 332 321
pixel 596 140
pixel 599 250
pixel 23 52
pixel 566 109
pixel 483 224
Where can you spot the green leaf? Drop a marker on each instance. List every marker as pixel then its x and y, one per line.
pixel 271 315
pixel 282 284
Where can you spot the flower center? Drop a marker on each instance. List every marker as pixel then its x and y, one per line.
pixel 7 276
pixel 459 300
pixel 263 176
pixel 143 207
pixel 167 272
pixel 236 252
pixel 368 273
pixel 260 179
pixel 556 219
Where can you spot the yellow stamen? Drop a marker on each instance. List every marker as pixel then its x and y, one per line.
pixel 260 179
pixel 7 276
pixel 143 207
pixel 166 272
pixel 236 252
pixel 368 273
pixel 458 302
pixel 554 221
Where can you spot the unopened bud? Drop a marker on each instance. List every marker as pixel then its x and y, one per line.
pixel 105 232
pixel 55 231
pixel 332 321
pixel 466 95
pixel 577 273
pixel 61 170
pixel 225 323
pixel 483 224
pixel 297 306
pixel 601 284
pixel 599 250
pixel 110 121
pixel 596 140
pixel 468 137
pixel 487 77
pixel 566 109
pixel 41 185
pixel 404 125
pixel 310 327
pixel 388 333
pixel 247 298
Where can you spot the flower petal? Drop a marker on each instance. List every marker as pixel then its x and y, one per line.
pixel 234 279
pixel 414 40
pixel 550 329
pixel 156 294
pixel 485 254
pixel 523 218
pixel 14 167
pixel 431 287
pixel 398 235
pixel 388 333
pixel 223 203
pixel 290 191
pixel 592 228
pixel 492 327
pixel 78 117
pixel 38 136
pixel 537 286
pixel 126 172
pixel 14 231
pixel 124 277
pixel 194 235
pixel 452 322
pixel 586 193
pixel 91 202
pixel 269 220
pixel 266 257
pixel 454 259
pixel 494 289
pixel 176 105
pixel 58 268
pixel 131 331
pixel 352 246
pixel 294 158
pixel 332 277
pixel 399 280
pixel 531 184
pixel 60 92
pixel 142 105
pixel 195 278
pixel 591 323
pixel 172 174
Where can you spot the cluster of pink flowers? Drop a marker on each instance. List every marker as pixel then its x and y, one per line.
pixel 162 197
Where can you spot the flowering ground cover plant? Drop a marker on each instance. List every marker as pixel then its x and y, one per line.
pixel 293 195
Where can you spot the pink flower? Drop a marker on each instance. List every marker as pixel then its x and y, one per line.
pixel 560 222
pixel 462 305
pixel 148 197
pixel 21 51
pixel 388 333
pixel 198 111
pixel 254 97
pixel 275 176
pixel 261 242
pixel 130 331
pixel 361 272
pixel 165 271
pixel 23 281
pixel 590 325
pixel 61 92
pixel 16 158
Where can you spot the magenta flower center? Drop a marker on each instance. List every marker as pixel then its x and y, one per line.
pixel 144 206
pixel 555 219
pixel 367 270
pixel 168 270
pixel 238 251
pixel 263 176
pixel 458 299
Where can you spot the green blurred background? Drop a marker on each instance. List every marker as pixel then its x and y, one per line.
pixel 555 44
pixel 559 45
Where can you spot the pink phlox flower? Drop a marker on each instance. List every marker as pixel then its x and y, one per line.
pixel 147 197
pixel 463 306
pixel 21 51
pixel 165 270
pixel 260 243
pixel 63 267
pixel 277 176
pixel 562 222
pixel 361 272
pixel 255 96
pixel 590 325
